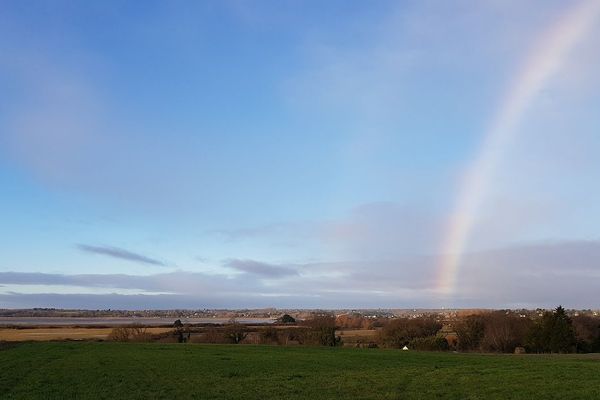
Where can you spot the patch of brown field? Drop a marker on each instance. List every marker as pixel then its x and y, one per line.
pixel 45 334
pixel 354 333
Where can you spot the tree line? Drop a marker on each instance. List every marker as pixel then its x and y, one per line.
pixel 496 331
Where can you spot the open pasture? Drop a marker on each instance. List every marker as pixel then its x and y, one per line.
pixel 188 371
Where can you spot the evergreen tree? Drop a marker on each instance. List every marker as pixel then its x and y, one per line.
pixel 562 337
pixel 553 333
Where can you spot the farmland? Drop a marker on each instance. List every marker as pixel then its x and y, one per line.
pixel 62 333
pixel 187 371
pixel 25 333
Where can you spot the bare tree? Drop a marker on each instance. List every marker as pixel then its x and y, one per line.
pixel 235 331
pixel 134 333
pixel 320 329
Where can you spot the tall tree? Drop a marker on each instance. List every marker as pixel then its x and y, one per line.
pixel 470 332
pixel 553 333
pixel 562 339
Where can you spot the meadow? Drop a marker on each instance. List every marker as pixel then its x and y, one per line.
pixel 104 370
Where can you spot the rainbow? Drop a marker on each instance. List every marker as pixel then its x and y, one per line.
pixel 544 62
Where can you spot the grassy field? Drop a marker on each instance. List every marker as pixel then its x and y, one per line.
pixel 174 371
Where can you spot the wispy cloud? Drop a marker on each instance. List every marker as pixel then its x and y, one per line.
pixel 377 230
pixel 256 231
pixel 122 254
pixel 260 268
pixel 541 274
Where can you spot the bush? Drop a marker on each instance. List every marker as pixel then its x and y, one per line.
pixel 269 335
pixel 429 343
pixel 211 335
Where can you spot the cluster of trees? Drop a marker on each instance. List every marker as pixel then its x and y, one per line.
pixel 421 333
pixel 498 331
pixel 318 330
pixel 286 319
pixel 587 334
pixel 232 333
pixel 353 321
pixel 359 321
pixel 492 332
pixel 553 332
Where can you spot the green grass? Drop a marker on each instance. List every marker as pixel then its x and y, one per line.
pixel 174 371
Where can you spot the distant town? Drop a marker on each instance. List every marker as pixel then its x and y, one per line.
pixel 273 313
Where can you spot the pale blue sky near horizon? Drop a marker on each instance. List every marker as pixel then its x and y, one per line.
pixel 257 153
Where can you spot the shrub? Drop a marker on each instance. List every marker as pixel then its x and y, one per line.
pixel 429 343
pixel 129 334
pixel 211 335
pixel 269 335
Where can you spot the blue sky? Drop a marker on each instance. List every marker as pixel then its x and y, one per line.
pixel 290 154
